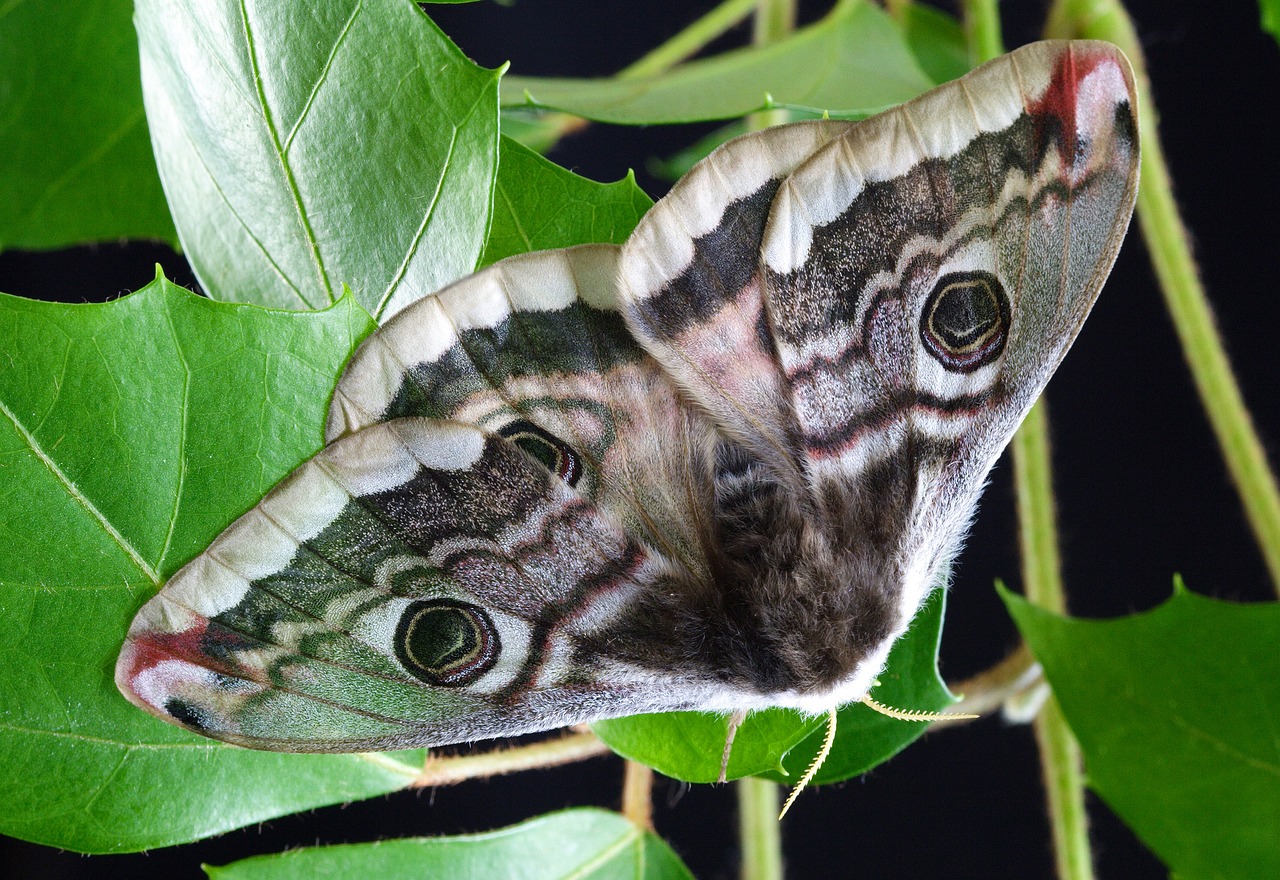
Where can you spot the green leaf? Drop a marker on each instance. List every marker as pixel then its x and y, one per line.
pixel 75 158
pixel 854 62
pixel 539 205
pixel 1175 711
pixel 780 743
pixel 308 146
pixel 1270 12
pixel 582 844
pixel 678 164
pixel 937 42
pixel 123 454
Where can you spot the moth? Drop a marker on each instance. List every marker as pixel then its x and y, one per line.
pixel 717 468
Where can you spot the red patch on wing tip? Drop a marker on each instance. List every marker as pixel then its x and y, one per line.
pixel 151 648
pixel 1060 100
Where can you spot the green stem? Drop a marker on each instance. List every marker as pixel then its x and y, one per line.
pixel 1064 788
pixel 759 829
pixel 1184 294
pixel 774 20
pixel 897 9
pixel 1037 521
pixel 982 30
pixel 690 40
pixel 1042 579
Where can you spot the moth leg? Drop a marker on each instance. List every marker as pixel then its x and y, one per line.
pixel 735 721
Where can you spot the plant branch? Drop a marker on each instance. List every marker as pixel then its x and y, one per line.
pixel 759 829
pixel 637 794
pixel 1042 580
pixel 982 30
pixel 990 689
pixel 774 20
pixel 450 770
pixel 690 40
pixel 1170 248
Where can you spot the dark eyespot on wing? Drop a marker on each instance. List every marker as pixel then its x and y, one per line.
pixel 552 452
pixel 447 643
pixel 965 320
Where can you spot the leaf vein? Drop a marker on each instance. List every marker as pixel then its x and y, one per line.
pixel 324 74
pixel 74 491
pixel 291 182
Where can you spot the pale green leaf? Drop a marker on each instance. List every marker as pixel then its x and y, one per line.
pixel 852 63
pixel 539 205
pixel 131 433
pixel 937 41
pixel 571 845
pixel 308 146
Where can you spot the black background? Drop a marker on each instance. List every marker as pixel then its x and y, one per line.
pixel 1142 490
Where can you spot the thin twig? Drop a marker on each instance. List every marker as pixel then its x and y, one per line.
pixel 982 30
pixel 690 40
pixel 577 746
pixel 1042 580
pixel 637 794
pixel 990 689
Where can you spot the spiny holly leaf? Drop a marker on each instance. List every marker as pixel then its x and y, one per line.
pixel 853 63
pixel 539 205
pixel 75 159
pixel 131 433
pixel 780 743
pixel 306 146
pixel 579 844
pixel 1175 711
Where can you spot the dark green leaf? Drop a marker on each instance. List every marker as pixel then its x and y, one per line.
pixel 308 146
pixel 937 41
pixel 780 743
pixel 131 433
pixel 1270 10
pixel 539 205
pixel 676 166
pixel 580 844
pixel 75 158
pixel 853 63
pixel 1175 710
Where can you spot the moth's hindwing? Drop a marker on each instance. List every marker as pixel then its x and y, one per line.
pixel 534 348
pixel 418 582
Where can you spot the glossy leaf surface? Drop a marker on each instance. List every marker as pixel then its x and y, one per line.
pixel 304 147
pixel 571 845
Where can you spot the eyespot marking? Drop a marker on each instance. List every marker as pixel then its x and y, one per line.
pixel 554 454
pixel 965 321
pixel 446 643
